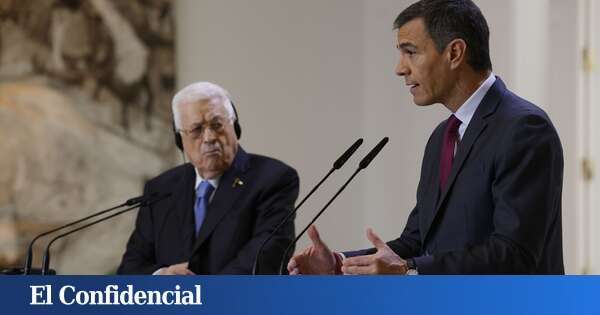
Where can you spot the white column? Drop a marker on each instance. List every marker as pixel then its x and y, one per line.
pixel 530 50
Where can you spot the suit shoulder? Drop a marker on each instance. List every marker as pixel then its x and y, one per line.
pixel 514 108
pixel 520 121
pixel 271 165
pixel 171 176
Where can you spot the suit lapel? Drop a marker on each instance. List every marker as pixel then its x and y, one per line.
pixel 476 126
pixel 428 204
pixel 183 216
pixel 231 185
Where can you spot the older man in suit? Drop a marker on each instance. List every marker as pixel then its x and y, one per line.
pixel 224 203
pixel 489 195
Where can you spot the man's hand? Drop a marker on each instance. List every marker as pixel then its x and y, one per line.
pixel 316 259
pixel 178 269
pixel 384 261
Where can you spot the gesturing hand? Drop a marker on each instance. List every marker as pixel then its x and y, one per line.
pixel 384 261
pixel 315 259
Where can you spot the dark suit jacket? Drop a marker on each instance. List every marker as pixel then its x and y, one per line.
pixel 239 217
pixel 500 212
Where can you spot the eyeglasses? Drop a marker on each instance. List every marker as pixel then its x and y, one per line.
pixel 217 126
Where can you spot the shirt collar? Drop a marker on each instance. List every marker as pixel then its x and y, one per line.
pixel 214 182
pixel 467 109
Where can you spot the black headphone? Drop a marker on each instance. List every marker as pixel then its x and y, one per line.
pixel 236 127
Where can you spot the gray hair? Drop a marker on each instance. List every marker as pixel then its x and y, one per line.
pixel 201 91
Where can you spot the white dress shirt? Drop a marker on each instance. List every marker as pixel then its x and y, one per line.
pixel 467 109
pixel 214 182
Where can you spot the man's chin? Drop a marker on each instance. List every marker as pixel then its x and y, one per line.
pixel 422 102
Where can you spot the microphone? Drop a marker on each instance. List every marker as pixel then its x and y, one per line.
pixel 362 165
pixel 371 155
pixel 145 201
pixel 29 258
pixel 336 166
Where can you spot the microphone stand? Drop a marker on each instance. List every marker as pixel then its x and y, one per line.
pixel 362 165
pixel 336 165
pixel 29 258
pixel 46 259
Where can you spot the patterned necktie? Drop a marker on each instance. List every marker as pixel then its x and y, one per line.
pixel 202 196
pixel 449 141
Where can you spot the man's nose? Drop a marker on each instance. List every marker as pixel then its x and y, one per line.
pixel 401 68
pixel 208 135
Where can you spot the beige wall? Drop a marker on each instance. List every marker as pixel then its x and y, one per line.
pixel 309 77
pixel 295 72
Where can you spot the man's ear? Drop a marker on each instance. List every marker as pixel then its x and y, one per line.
pixel 456 53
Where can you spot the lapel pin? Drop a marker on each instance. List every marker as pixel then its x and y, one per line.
pixel 237 182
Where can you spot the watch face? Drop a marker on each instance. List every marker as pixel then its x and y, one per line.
pixel 412 272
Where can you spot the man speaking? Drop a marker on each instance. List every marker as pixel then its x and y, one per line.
pixel 224 203
pixel 489 195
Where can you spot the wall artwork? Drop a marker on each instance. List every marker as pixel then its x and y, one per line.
pixel 85 89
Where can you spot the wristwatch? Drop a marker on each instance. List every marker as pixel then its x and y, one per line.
pixel 412 267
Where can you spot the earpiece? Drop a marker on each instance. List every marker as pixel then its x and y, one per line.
pixel 178 141
pixel 236 124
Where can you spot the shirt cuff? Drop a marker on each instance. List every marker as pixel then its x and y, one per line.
pixel 158 272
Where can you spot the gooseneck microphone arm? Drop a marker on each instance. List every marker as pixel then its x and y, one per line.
pixel 292 244
pixel 362 165
pixel 29 258
pixel 336 166
pixel 146 201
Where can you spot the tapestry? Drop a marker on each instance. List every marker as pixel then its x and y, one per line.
pixel 85 90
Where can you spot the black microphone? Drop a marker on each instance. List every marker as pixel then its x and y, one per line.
pixel 371 155
pixel 362 165
pixel 145 201
pixel 336 166
pixel 29 258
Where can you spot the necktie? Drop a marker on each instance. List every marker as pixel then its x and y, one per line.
pixel 202 195
pixel 449 141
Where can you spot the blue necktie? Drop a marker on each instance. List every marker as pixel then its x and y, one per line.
pixel 202 196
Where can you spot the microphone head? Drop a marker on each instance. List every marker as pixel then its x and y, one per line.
pixel 371 155
pixel 147 199
pixel 342 159
pixel 155 197
pixel 133 201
